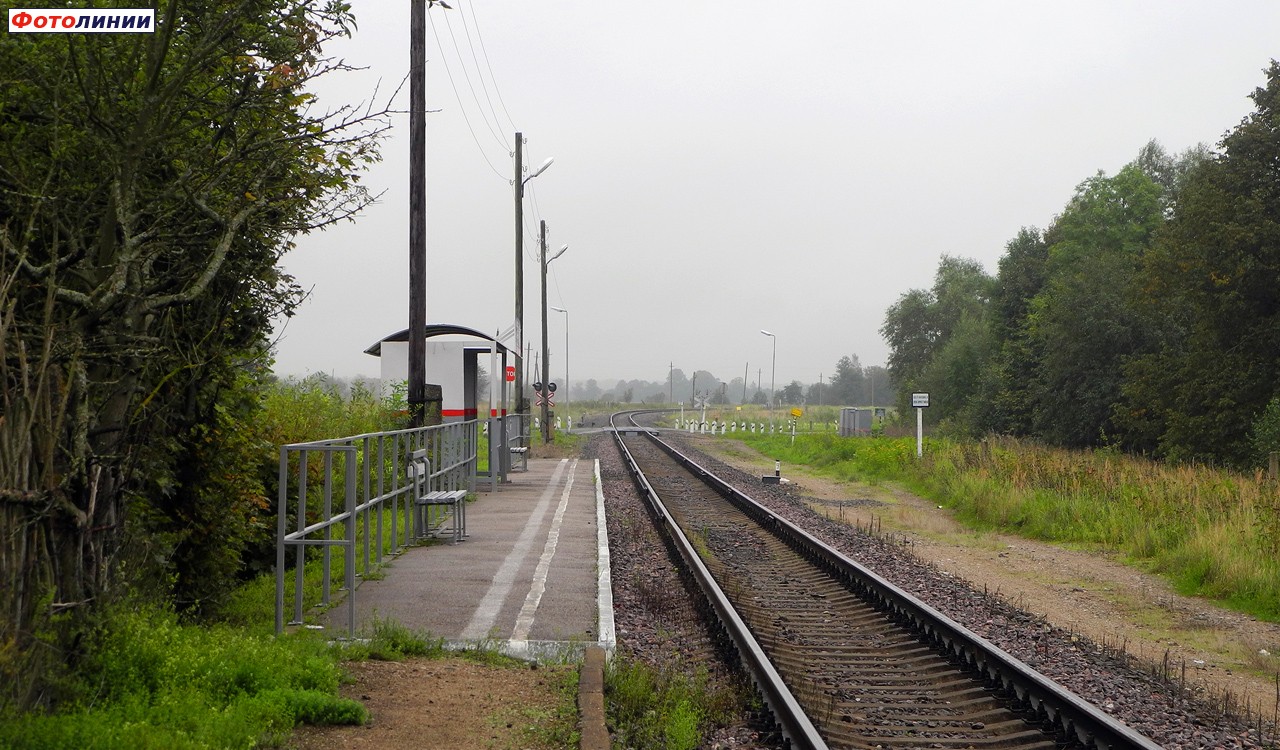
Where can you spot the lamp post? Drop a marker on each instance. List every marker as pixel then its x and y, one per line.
pixel 566 354
pixel 546 371
pixel 773 374
pixel 519 183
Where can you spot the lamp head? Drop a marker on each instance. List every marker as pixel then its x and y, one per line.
pixel 765 332
pixel 541 168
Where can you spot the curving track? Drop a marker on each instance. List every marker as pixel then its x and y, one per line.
pixel 842 658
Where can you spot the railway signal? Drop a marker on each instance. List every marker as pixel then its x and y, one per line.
pixel 547 394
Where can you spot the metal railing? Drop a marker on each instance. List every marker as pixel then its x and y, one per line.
pixel 367 476
pixel 516 429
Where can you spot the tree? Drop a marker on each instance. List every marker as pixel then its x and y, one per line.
pixel 847 384
pixel 1214 275
pixel 792 393
pixel 677 385
pixel 880 387
pixel 921 323
pixel 150 184
pixel 1005 384
pixel 1083 325
pixel 590 391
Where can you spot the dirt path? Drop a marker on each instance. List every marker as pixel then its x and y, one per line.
pixel 449 703
pixel 1083 592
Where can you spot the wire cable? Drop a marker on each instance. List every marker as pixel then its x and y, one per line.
pixel 458 98
pixel 462 63
pixel 479 73
pixel 475 20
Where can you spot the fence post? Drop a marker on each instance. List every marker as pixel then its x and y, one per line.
pixel 1273 468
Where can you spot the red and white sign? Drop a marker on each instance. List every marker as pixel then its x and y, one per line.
pixel 511 373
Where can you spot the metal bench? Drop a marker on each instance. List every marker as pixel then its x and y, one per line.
pixel 419 469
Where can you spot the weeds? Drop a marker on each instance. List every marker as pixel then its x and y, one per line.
pixel 388 640
pixel 670 709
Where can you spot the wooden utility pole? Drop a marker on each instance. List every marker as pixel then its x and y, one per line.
pixel 519 343
pixel 418 212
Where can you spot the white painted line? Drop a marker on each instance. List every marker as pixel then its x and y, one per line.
pixel 487 612
pixel 604 580
pixel 524 620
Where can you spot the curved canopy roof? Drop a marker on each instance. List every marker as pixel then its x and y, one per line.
pixel 433 330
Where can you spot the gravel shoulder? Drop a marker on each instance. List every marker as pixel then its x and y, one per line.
pixel 1081 591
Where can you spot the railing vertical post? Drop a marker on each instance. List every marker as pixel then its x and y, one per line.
pixel 395 487
pixel 349 575
pixel 473 450
pixel 364 473
pixel 282 528
pixel 300 558
pixel 382 504
pixel 326 555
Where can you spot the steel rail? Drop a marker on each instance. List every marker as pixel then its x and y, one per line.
pixel 786 710
pixel 1049 702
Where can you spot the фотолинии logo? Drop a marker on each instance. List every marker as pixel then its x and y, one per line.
pixel 82 20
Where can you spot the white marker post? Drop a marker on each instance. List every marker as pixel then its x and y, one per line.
pixel 921 402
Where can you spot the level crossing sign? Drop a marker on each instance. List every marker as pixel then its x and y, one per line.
pixel 548 393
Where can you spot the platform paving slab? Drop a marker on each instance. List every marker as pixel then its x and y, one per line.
pixel 526 579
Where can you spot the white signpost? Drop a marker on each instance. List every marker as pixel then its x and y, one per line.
pixel 921 402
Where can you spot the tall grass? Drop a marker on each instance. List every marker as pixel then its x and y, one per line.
pixel 1212 532
pixel 314 408
pixel 152 682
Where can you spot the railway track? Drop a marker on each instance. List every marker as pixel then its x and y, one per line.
pixel 843 658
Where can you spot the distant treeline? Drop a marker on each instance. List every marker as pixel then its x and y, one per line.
pixel 1143 317
pixel 850 384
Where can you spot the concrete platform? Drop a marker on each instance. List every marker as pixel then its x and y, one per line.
pixel 532 576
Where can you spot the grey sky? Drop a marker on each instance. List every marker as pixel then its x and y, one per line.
pixel 731 165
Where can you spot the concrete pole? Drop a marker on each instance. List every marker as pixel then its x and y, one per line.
pixel 546 369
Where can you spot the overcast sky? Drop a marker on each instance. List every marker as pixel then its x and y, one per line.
pixel 723 166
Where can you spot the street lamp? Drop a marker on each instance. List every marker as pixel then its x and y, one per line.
pixel 566 352
pixel 773 374
pixel 519 183
pixel 546 370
